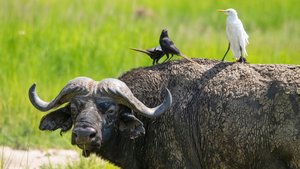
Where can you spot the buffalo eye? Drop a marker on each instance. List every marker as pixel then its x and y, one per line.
pixel 106 107
pixel 111 110
pixel 76 106
pixel 73 108
pixel 110 114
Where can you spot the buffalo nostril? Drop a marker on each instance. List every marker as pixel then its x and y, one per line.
pixel 84 135
pixel 90 132
pixel 93 135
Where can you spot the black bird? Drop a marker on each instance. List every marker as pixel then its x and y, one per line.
pixel 155 53
pixel 168 46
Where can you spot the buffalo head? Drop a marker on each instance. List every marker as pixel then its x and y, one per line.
pixel 96 110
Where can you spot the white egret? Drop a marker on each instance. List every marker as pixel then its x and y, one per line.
pixel 236 35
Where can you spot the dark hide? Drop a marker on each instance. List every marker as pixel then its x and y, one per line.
pixel 223 116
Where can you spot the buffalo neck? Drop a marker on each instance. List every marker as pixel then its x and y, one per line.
pixel 123 151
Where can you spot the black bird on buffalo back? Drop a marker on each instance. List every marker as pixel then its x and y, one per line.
pixel 168 46
pixel 155 53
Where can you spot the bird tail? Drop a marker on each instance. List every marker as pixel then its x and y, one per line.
pixel 141 50
pixel 246 42
pixel 185 57
pixel 245 53
pixel 243 43
pixel 246 38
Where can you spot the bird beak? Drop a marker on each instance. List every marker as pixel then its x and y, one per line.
pixel 221 10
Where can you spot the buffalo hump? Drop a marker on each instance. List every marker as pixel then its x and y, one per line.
pixel 224 115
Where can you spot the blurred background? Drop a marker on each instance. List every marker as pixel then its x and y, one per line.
pixel 51 42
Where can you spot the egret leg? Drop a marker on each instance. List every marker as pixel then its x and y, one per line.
pixel 242 59
pixel 226 52
pixel 153 62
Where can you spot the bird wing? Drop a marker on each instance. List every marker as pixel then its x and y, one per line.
pixel 237 37
pixel 172 47
pixel 232 36
pixel 158 48
pixel 168 41
pixel 243 37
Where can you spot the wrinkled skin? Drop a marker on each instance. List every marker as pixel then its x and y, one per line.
pixel 223 116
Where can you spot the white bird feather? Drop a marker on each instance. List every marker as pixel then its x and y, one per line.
pixel 236 34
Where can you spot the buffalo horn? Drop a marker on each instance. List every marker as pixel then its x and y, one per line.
pixel 74 87
pixel 121 94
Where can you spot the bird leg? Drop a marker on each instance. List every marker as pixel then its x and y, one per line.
pixel 171 57
pixel 226 52
pixel 242 59
pixel 166 58
pixel 153 62
pixel 156 62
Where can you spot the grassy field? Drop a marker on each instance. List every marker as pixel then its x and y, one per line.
pixel 51 42
pixel 93 162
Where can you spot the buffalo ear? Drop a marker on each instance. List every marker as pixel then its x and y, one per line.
pixel 130 125
pixel 59 118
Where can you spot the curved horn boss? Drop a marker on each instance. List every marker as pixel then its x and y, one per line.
pixel 121 94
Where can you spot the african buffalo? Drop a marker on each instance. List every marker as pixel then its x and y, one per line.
pixel 223 116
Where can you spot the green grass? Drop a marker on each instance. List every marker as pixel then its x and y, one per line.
pixel 51 42
pixel 92 162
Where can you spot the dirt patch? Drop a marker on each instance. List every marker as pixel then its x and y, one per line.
pixel 34 158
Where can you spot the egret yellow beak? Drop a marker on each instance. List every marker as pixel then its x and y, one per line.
pixel 221 10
